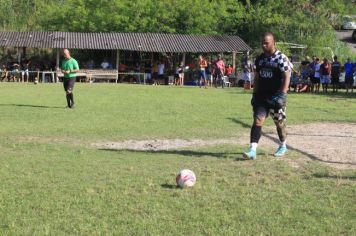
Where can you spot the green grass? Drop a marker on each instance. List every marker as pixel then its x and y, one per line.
pixel 53 182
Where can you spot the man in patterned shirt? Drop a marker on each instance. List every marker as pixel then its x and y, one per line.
pixel 272 77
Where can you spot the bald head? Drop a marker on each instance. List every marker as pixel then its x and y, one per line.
pixel 268 43
pixel 66 53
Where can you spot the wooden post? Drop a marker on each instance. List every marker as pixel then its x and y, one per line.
pixel 234 62
pixel 117 63
pixel 19 55
pixel 183 62
pixel 57 65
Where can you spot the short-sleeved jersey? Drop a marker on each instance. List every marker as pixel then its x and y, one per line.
pixel 335 69
pixel 68 65
pixel 349 68
pixel 270 70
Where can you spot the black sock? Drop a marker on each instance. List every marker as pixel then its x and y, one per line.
pixel 68 100
pixel 71 98
pixel 256 132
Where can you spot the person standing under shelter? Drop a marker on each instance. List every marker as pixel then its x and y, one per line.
pixel 219 71
pixel 272 77
pixel 69 68
pixel 203 64
pixel 160 72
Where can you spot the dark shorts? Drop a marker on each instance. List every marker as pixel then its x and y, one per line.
pixel 262 109
pixel 349 79
pixel 68 84
pixel 315 80
pixel 335 80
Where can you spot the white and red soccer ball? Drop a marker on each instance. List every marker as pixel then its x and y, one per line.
pixel 185 178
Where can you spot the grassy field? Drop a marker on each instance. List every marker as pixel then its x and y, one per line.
pixel 54 182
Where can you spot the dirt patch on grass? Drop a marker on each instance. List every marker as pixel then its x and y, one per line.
pixel 330 143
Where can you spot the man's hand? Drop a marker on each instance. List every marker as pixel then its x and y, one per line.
pixel 278 100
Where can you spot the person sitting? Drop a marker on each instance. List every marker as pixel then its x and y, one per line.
pixel 294 81
pixel 15 72
pixel 90 64
pixel 303 86
pixel 3 73
pixel 105 64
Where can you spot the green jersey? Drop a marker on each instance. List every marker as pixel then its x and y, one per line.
pixel 70 65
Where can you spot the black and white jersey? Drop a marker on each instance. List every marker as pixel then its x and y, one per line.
pixel 270 70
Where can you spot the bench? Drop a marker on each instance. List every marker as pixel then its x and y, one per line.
pixel 95 75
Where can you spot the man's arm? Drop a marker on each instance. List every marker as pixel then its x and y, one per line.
pixel 285 81
pixel 255 81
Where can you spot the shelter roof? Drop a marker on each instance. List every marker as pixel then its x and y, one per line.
pixel 145 42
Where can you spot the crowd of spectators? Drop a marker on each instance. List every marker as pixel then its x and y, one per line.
pixel 313 73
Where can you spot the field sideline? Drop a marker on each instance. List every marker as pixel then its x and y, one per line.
pixel 54 181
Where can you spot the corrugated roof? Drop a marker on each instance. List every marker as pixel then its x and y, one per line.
pixel 146 42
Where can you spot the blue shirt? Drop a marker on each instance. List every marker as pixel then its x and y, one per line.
pixel 349 68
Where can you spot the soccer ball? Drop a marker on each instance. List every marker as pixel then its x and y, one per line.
pixel 185 178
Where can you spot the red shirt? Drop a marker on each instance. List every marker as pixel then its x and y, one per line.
pixel 229 70
pixel 203 64
pixel 325 69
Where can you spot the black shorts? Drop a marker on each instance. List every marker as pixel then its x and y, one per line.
pixel 315 80
pixel 349 80
pixel 68 84
pixel 335 80
pixel 261 109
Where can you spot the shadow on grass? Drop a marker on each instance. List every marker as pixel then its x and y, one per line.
pixel 169 186
pixel 276 140
pixel 189 153
pixel 237 121
pixel 28 105
pixel 327 176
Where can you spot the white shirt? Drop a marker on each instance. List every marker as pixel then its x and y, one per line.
pixel 317 71
pixel 105 65
pixel 160 69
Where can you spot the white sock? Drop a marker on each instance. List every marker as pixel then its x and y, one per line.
pixel 253 146
pixel 284 144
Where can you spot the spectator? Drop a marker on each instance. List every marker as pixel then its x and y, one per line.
pixel 208 74
pixel 316 78
pixel 90 64
pixel 349 71
pixel 311 73
pixel 25 69
pixel 203 64
pixel 303 86
pixel 325 71
pixel 148 74
pixel 305 68
pixel 294 81
pixel 160 73
pixel 4 73
pixel 335 74
pixel 218 71
pixel 105 64
pixel 155 72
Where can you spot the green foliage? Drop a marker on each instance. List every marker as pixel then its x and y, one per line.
pixel 307 22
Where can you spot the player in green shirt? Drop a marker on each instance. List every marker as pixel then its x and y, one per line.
pixel 69 68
